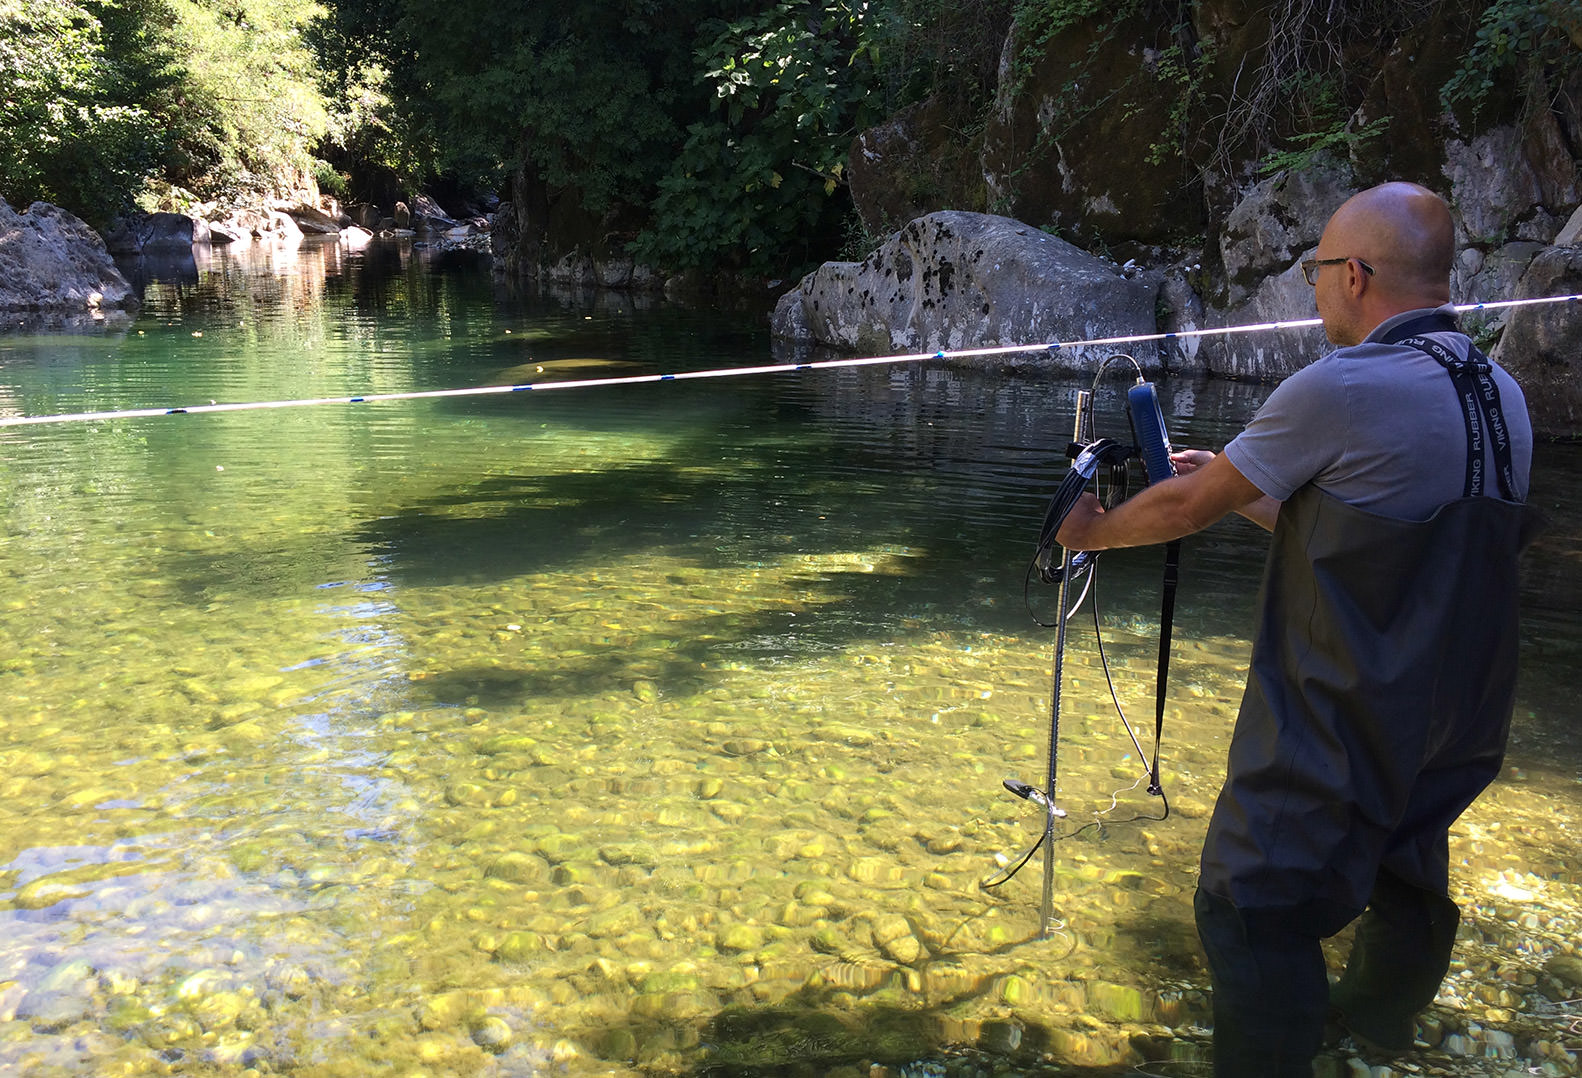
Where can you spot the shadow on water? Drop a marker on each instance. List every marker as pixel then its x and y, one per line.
pixel 818 1031
pixel 681 672
pixel 175 267
pixel 509 527
pixel 812 1033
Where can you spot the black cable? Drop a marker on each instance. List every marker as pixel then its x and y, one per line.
pixel 1085 464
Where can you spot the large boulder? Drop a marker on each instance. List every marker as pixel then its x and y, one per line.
pixel 1496 193
pixel 1271 228
pixel 1276 222
pixel 1542 343
pixel 1267 354
pixel 311 220
pixel 52 261
pixel 365 215
pixel 278 228
pixel 1479 276
pixel 154 232
pixel 954 280
pixel 429 217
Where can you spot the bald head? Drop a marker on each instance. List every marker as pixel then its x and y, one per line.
pixel 1404 232
pixel 1404 229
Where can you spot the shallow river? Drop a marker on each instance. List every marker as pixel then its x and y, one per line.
pixel 651 728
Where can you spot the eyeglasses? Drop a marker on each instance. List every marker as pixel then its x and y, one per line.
pixel 1310 267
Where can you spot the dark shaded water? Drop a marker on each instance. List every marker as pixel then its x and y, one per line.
pixel 655 727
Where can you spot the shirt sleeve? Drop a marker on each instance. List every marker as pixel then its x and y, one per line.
pixel 1298 433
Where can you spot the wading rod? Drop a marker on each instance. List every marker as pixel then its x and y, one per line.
pixel 1081 435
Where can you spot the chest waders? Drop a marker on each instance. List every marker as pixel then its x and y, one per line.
pixel 1377 707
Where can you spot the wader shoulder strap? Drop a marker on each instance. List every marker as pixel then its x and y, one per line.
pixel 1480 401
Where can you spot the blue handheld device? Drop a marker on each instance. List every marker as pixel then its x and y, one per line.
pixel 1148 425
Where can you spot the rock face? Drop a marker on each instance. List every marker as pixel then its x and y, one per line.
pixel 1073 138
pixel 908 165
pixel 1542 344
pixel 50 261
pixel 155 232
pixel 311 220
pixel 1272 354
pixel 427 216
pixel 955 280
pixel 1276 222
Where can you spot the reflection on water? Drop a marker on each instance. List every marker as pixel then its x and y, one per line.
pixel 659 727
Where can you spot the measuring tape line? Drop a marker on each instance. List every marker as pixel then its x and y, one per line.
pixel 726 372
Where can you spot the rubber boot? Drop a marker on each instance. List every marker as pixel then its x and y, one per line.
pixel 1270 992
pixel 1398 960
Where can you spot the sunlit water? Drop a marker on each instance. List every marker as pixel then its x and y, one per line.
pixel 656 727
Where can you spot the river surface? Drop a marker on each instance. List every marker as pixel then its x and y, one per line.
pixel 651 728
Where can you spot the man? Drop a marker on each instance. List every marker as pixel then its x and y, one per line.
pixel 1392 473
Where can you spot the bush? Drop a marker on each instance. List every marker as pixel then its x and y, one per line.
pixel 790 87
pixel 68 133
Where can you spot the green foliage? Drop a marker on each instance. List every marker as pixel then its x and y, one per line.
pixel 250 107
pixel 948 50
pixel 330 181
pixel 101 100
pixel 1339 139
pixel 791 87
pixel 71 130
pixel 1322 117
pixel 1298 88
pixel 591 96
pixel 1038 22
pixel 727 121
pixel 1175 74
pixel 1531 42
pixel 1185 70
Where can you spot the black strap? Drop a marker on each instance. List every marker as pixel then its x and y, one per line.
pixel 1433 322
pixel 1167 613
pixel 1479 396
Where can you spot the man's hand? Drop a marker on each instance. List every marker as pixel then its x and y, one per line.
pixel 1079 523
pixel 1187 461
pixel 1205 488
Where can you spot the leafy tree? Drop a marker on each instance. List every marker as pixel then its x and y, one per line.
pixel 591 96
pixel 727 122
pixel 103 102
pixel 1532 45
pixel 248 108
pixel 72 128
pixel 790 87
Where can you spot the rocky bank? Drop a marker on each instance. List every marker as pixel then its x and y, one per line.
pixel 1179 147
pixel 954 281
pixel 54 268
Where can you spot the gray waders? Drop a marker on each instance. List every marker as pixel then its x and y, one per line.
pixel 1377 707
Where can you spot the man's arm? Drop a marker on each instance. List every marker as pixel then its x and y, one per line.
pixel 1263 512
pixel 1168 510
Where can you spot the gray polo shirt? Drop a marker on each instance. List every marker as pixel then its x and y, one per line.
pixel 1379 426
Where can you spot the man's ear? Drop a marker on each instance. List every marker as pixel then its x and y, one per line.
pixel 1357 281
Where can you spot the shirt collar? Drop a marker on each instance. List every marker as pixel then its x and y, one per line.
pixel 1383 328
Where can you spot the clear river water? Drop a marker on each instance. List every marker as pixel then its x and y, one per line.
pixel 650 729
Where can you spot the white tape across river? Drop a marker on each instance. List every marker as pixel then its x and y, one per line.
pixel 726 372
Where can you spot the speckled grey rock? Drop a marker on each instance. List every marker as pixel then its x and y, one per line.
pixel 51 260
pixel 955 280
